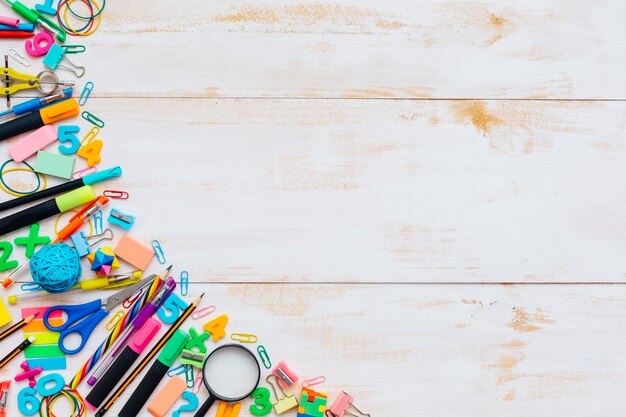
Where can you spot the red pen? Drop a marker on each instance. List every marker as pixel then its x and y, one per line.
pixel 16 34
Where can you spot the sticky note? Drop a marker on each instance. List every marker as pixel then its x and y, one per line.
pixel 49 338
pixel 42 351
pixel 29 311
pixel 54 164
pixel 5 316
pixel 38 326
pixel 36 141
pixel 166 398
pixel 134 252
pixel 48 364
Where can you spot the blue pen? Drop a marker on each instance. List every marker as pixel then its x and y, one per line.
pixel 26 27
pixel 37 103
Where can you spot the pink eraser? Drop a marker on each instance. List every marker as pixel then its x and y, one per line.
pixel 166 398
pixel 134 252
pixel 33 143
pixel 9 21
pixel 144 335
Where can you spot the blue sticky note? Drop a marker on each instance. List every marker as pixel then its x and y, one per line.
pixel 48 364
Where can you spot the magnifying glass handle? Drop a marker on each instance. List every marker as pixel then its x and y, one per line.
pixel 205 407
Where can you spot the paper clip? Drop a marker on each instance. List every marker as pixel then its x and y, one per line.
pixel 74 49
pixel 82 172
pixel 158 251
pixel 130 300
pixel 308 383
pixel 20 59
pixel 97 222
pixel 197 383
pixel 203 312
pixel 184 283
pixel 180 369
pixel 93 119
pixel 30 286
pixel 115 319
pixel 265 358
pixel 189 376
pixel 122 195
pixel 84 95
pixel 244 337
pixel 90 135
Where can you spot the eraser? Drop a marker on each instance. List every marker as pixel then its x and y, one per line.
pixel 33 143
pixel 48 364
pixel 166 398
pixel 54 164
pixel 5 316
pixel 134 252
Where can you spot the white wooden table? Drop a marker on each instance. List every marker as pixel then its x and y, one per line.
pixel 422 201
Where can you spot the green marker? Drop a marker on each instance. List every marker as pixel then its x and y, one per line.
pixel 37 18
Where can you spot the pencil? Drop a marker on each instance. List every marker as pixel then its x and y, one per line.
pixel 17 326
pixel 26 343
pixel 129 380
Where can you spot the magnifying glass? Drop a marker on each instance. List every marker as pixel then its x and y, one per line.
pixel 230 373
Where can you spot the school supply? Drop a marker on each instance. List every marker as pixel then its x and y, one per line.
pixel 122 220
pixel 54 164
pixel 45 81
pixel 192 403
pixel 134 252
pixel 189 357
pixel 230 373
pixel 167 396
pixel 53 59
pixel 103 261
pixel 37 18
pixel 285 376
pixel 4 397
pixel 284 402
pixel 155 374
pixel 83 318
pixel 17 325
pixel 342 404
pixel 15 34
pixel 155 349
pixel 122 363
pixel 36 104
pixel 26 27
pixel 44 116
pixel 16 351
pixel 55 268
pixel 312 403
pixel 19 58
pixel 9 21
pixel 28 373
pixel 262 405
pixel 5 316
pixel 265 358
pixel 82 244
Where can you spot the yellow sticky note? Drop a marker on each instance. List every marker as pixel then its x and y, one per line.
pixel 5 317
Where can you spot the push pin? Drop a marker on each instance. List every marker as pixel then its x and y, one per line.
pixel 341 405
pixel 284 403
pixel 29 374
pixel 125 221
pixel 285 376
pixel 53 59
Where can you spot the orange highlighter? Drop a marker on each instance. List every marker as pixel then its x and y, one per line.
pixel 35 120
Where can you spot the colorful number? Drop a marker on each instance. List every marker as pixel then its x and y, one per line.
pixel 39 45
pixel 91 152
pixel 216 327
pixel 174 304
pixel 32 240
pixel 56 378
pixel 27 401
pixel 192 403
pixel 262 405
pixel 66 134
pixel 7 249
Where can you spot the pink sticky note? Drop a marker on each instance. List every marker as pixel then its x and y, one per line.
pixel 29 311
pixel 33 143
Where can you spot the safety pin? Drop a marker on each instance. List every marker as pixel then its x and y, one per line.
pixel 244 337
pixel 90 135
pixel 97 222
pixel 265 358
pixel 203 312
pixel 197 383
pixel 93 119
pixel 130 300
pixel 74 49
pixel 122 195
pixel 115 319
pixel 158 251
pixel 84 95
pixel 184 283
pixel 189 376
pixel 180 369
pixel 30 286
pixel 82 172
pixel 19 58
pixel 313 381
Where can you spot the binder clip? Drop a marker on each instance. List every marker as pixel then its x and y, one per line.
pixel 125 221
pixel 54 57
pixel 189 357
pixel 285 376
pixel 284 403
pixel 312 403
pixel 341 405
pixel 82 245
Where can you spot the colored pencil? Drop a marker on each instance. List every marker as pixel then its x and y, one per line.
pixel 15 34
pixel 17 326
pixel 26 343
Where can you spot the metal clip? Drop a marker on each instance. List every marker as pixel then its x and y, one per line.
pixel 180 369
pixel 203 312
pixel 107 234
pixel 93 119
pixel 84 95
pixel 308 383
pixel 130 300
pixel 97 222
pixel 158 251
pixel 73 49
pixel 184 283
pixel 265 358
pixel 19 58
pixel 244 337
pixel 90 135
pixel 82 172
pixel 122 195
pixel 189 376
pixel 284 403
pixel 115 319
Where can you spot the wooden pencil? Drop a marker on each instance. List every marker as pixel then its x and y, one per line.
pixel 26 343
pixel 17 326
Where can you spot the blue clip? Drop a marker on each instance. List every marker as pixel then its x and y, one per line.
pixel 120 219
pixel 184 283
pixel 158 251
pixel 180 369
pixel 81 245
pixel 54 56
pixel 97 222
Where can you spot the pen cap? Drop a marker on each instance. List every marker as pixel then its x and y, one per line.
pixel 174 346
pixel 144 335
pixel 102 175
pixel 25 11
pixel 75 198
pixel 59 111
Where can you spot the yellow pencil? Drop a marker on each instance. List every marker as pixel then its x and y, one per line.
pixel 26 343
pixel 17 326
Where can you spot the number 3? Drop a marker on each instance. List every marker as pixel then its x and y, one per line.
pixel 262 405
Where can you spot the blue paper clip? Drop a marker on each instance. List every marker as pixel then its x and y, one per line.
pixel 184 283
pixel 158 251
pixel 30 286
pixel 180 369
pixel 84 95
pixel 97 222
pixel 189 376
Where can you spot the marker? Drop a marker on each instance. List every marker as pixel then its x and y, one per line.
pixel 47 209
pixel 26 343
pixel 36 119
pixel 37 103
pixel 123 363
pixel 37 18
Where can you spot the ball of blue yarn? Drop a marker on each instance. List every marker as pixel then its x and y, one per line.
pixel 56 267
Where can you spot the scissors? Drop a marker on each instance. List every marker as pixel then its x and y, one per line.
pixel 83 318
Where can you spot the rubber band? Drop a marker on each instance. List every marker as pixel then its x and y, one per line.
pixel 76 401
pixel 56 222
pixel 90 30
pixel 93 16
pixel 16 193
pixel 71 31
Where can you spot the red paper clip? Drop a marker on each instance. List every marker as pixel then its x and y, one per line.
pixel 130 300
pixel 122 195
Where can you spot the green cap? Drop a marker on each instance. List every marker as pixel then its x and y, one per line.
pixel 75 198
pixel 25 11
pixel 174 346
